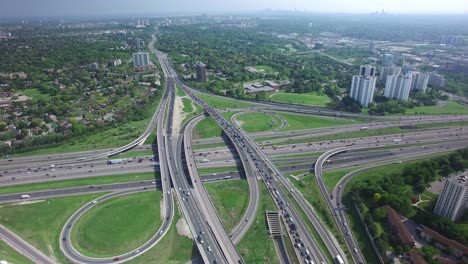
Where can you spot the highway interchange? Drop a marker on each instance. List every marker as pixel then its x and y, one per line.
pixel 257 154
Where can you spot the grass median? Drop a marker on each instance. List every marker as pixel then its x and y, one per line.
pixel 118 225
pixel 230 198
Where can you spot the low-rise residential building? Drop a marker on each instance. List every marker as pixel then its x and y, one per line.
pixel 456 248
pixel 398 228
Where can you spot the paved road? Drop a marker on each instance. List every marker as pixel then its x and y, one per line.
pixel 24 247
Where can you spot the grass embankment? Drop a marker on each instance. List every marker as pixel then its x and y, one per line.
pixel 172 248
pixel 212 170
pixel 256 246
pixel 118 225
pixel 78 182
pixel 230 199
pixel 40 223
pixel 110 138
pixel 222 103
pixel 301 99
pixel 258 122
pixel 297 122
pixel 12 256
pixel 179 91
pixel 132 154
pixel 452 108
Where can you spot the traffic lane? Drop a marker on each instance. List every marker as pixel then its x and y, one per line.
pixel 16 197
pixel 49 174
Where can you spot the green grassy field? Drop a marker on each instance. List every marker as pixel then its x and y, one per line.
pixel 187 105
pixel 216 170
pixel 222 103
pixel 207 146
pixel 118 225
pixel 256 246
pixel 230 198
pixel 40 223
pixel 297 122
pixel 301 99
pixel 78 182
pixel 12 256
pixel 258 122
pixel 171 249
pixel 451 107
pixel 206 128
pixel 36 95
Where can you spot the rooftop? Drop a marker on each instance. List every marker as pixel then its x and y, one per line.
pixel 445 241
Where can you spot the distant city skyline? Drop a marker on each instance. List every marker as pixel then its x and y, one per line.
pixel 12 8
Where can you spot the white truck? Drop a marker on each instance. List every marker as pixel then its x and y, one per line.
pixel 115 161
pixel 204 161
pixel 363 128
pixel 25 196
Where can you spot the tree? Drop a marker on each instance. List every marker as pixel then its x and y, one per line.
pixel 429 252
pixel 3 126
pixel 376 198
pixel 379 214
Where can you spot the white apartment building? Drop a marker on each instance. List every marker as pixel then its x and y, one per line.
pixel 453 198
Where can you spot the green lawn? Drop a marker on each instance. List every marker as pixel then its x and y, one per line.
pixel 187 105
pixel 230 198
pixel 36 94
pixel 222 103
pixel 179 91
pixel 256 246
pixel 171 249
pixel 12 256
pixel 258 122
pixel 451 107
pixel 297 122
pixel 78 182
pixel 207 128
pixel 132 154
pixel 301 99
pixel 118 225
pixel 207 146
pixel 40 223
pixel 205 171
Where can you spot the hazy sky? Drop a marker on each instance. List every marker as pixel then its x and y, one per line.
pixel 120 7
